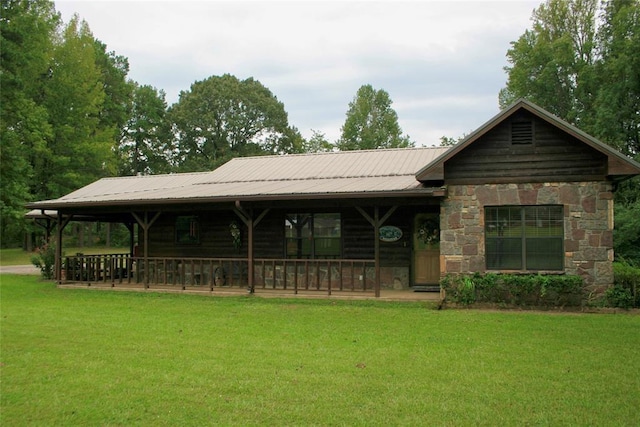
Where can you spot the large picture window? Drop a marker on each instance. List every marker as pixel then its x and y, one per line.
pixel 524 237
pixel 311 235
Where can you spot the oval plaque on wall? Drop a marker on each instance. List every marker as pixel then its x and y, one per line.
pixel 390 233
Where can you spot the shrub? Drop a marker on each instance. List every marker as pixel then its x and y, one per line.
pixel 45 260
pixel 514 289
pixel 624 292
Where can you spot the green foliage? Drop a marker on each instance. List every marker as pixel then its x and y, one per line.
pixel 223 117
pixel 26 40
pixel 45 259
pixel 63 98
pixel 625 292
pixel 371 123
pixel 534 290
pixel 581 63
pixel 626 235
pixel 318 143
pixel 551 63
pixel 145 139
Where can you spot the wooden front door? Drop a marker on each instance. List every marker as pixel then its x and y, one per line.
pixel 426 249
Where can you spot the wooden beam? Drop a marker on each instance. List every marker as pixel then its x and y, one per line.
pixel 62 223
pixel 377 249
pixel 146 224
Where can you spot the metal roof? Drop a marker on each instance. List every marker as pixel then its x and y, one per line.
pixel 367 173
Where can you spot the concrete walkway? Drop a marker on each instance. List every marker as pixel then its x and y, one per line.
pixel 19 269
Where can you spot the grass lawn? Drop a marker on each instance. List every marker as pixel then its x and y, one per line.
pixel 89 357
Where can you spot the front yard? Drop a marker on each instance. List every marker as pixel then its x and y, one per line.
pixel 91 357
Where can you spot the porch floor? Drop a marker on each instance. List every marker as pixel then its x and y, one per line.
pixel 385 295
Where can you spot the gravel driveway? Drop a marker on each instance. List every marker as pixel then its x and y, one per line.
pixel 20 269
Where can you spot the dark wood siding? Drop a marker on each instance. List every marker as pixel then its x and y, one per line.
pixel 552 156
pixel 358 240
pixel 215 236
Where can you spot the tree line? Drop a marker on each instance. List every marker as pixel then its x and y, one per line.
pixel 70 115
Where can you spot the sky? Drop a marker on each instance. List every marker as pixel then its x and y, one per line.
pixel 441 62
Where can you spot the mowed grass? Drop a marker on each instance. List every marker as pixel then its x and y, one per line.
pixel 90 357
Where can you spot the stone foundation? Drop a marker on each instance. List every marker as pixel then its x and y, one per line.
pixel 588 225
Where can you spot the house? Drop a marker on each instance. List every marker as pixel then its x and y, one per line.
pixel 525 193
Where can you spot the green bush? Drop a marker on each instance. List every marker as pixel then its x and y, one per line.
pixel 45 260
pixel 514 289
pixel 624 292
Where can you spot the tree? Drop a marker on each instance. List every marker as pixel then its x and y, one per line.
pixel 318 143
pixel 26 33
pixel 118 91
pixel 589 77
pixel 144 146
pixel 618 98
pixel 222 117
pixel 81 147
pixel 552 64
pixel 371 123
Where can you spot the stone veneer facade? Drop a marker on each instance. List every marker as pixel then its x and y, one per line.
pixel 588 226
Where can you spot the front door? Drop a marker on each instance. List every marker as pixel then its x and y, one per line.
pixel 426 249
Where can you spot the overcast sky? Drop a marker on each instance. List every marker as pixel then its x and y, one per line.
pixel 440 61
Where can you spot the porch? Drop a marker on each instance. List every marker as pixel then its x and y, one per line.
pixel 231 276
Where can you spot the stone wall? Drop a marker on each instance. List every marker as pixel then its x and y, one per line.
pixel 588 228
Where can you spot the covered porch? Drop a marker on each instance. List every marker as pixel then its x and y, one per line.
pixel 347 279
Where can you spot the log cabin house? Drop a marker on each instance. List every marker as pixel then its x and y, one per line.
pixel 525 193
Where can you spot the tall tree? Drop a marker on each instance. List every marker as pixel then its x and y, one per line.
pixel 144 147
pixel 118 91
pixel 618 98
pixel 371 123
pixel 552 64
pixel 81 148
pixel 27 29
pixel 223 117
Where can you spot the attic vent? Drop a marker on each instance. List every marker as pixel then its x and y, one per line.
pixel 522 132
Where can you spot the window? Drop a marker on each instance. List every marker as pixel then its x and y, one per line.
pixel 524 237
pixel 187 230
pixel 310 235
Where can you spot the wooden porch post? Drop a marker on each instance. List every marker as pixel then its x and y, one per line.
pixel 58 257
pixel 247 219
pixel 376 229
pixel 146 224
pixel 58 264
pixel 377 222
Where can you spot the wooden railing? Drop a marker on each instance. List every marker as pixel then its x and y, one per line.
pixel 107 268
pixel 328 275
pixel 318 275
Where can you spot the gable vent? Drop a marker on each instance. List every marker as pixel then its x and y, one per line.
pixel 522 132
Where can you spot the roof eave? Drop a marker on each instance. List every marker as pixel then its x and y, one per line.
pixel 65 205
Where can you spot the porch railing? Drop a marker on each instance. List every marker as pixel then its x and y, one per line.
pixel 327 275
